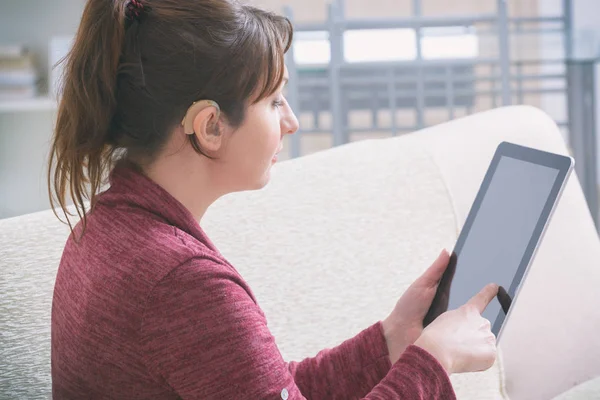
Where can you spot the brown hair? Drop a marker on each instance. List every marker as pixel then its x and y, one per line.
pixel 127 83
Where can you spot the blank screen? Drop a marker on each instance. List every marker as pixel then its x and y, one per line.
pixel 501 232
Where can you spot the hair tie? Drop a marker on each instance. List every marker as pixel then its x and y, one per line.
pixel 134 10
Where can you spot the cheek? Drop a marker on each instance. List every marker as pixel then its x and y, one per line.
pixel 269 136
pixel 256 143
pixel 252 154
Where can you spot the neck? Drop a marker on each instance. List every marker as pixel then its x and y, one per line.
pixel 185 180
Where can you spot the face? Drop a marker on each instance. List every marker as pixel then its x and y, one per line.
pixel 251 150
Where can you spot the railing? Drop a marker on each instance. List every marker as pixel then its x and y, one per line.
pixel 339 88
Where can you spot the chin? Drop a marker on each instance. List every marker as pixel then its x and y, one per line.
pixel 264 182
pixel 255 183
pixel 265 179
pixel 258 184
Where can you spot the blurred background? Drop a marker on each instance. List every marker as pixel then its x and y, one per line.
pixel 359 69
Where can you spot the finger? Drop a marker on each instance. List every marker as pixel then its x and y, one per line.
pixel 433 274
pixel 483 298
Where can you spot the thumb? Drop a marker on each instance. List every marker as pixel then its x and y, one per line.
pixel 433 274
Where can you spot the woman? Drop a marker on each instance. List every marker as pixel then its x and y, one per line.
pixel 180 102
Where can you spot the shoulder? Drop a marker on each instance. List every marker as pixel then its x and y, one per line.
pixel 135 239
pixel 201 298
pixel 204 280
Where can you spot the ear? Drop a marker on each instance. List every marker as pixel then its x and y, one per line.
pixel 202 120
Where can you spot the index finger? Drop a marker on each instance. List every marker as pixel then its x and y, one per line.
pixel 483 298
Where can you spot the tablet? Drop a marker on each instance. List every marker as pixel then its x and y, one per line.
pixel 503 230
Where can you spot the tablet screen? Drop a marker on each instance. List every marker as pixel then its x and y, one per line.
pixel 501 232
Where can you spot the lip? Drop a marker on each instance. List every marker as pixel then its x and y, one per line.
pixel 277 153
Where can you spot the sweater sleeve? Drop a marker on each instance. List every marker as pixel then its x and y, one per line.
pixel 204 337
pixel 350 370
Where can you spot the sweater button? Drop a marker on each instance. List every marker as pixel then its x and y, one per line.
pixel 284 394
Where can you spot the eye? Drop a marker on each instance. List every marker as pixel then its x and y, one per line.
pixel 277 103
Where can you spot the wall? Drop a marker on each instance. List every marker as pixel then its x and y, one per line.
pixel 586 37
pixel 24 144
pixel 25 135
pixel 586 44
pixel 586 28
pixel 316 10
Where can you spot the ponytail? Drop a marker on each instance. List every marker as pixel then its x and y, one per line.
pixel 80 156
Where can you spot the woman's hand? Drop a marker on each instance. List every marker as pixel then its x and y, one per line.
pixel 461 340
pixel 405 324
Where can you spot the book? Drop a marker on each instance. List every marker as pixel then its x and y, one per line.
pixel 22 62
pixel 18 71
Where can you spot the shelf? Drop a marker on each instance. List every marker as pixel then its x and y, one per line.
pixel 43 103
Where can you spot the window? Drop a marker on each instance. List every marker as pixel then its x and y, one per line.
pixel 449 42
pixel 312 48
pixel 372 45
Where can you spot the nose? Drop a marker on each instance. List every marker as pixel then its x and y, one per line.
pixel 289 122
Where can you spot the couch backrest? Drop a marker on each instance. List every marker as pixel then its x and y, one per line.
pixel 30 249
pixel 551 342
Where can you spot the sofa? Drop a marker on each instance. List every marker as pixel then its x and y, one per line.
pixel 337 236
